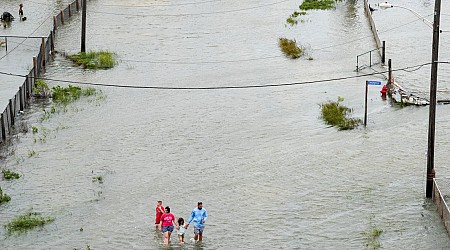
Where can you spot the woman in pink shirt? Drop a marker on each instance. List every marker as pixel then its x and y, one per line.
pixel 166 224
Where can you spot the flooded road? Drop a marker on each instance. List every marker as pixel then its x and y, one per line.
pixel 270 173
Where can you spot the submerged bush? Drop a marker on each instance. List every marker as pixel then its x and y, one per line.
pixel 27 222
pixel 290 48
pixel 317 5
pixel 41 89
pixel 102 59
pixel 8 175
pixel 4 197
pixel 65 95
pixel 335 114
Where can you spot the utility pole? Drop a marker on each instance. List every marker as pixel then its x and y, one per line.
pixel 433 88
pixel 83 27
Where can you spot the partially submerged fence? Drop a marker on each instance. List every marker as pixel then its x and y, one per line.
pixel 441 204
pixel 23 97
pixel 395 91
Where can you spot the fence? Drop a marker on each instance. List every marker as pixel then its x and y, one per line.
pixel 23 97
pixel 441 203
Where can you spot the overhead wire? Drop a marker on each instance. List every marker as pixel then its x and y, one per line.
pixel 163 5
pixel 24 39
pixel 190 14
pixel 216 87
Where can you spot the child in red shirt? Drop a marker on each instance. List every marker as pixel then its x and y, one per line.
pixel 159 213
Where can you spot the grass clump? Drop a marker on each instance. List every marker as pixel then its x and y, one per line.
pixel 28 221
pixel 8 175
pixel 317 5
pixel 102 59
pixel 97 178
pixel 335 114
pixel 41 89
pixel 290 48
pixel 4 197
pixel 293 18
pixel 66 95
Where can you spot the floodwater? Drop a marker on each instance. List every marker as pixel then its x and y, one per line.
pixel 270 173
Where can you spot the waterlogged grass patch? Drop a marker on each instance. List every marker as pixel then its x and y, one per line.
pixel 4 197
pixel 317 5
pixel 66 95
pixel 28 221
pixel 293 18
pixel 9 175
pixel 102 59
pixel 290 48
pixel 41 89
pixel 335 114
pixel 97 178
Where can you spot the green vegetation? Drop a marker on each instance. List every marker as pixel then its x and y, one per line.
pixel 40 89
pixel 8 175
pixel 34 129
pixel 28 221
pixel 31 153
pixel 290 48
pixel 87 247
pixel 335 114
pixel 317 5
pixel 293 18
pixel 373 235
pixel 102 59
pixel 97 178
pixel 66 95
pixel 4 197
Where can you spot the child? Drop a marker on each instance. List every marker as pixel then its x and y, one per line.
pixel 159 213
pixel 181 230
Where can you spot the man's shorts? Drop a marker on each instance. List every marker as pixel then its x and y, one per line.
pixel 167 229
pixel 198 230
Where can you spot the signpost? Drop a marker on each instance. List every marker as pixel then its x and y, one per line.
pixel 365 106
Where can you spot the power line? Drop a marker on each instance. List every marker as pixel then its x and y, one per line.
pixel 189 14
pixel 218 87
pixel 163 5
pixel 24 39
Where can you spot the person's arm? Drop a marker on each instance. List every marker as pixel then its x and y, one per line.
pixel 176 222
pixel 205 216
pixel 190 218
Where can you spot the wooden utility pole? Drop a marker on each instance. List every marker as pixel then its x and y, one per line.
pixel 83 27
pixel 433 88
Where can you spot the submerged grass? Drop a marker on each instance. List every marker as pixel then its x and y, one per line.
pixel 8 175
pixel 66 95
pixel 40 89
pixel 335 114
pixel 317 5
pixel 4 197
pixel 102 59
pixel 290 48
pixel 28 221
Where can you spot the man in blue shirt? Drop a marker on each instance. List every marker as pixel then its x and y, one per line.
pixel 199 215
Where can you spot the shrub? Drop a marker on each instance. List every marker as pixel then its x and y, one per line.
pixel 27 222
pixel 8 175
pixel 335 114
pixel 102 59
pixel 317 5
pixel 65 95
pixel 41 89
pixel 290 48
pixel 4 197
